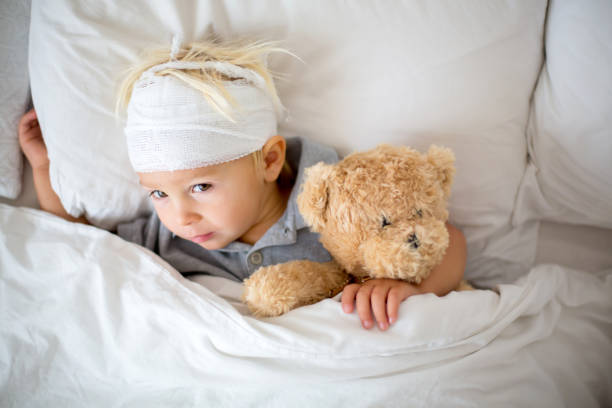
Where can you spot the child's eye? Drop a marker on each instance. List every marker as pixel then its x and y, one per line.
pixel 199 188
pixel 156 194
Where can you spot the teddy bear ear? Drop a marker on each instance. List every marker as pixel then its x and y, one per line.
pixel 443 159
pixel 313 199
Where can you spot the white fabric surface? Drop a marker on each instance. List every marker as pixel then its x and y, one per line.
pixel 14 90
pixel 416 73
pixel 569 179
pixel 577 246
pixel 89 319
pixel 27 197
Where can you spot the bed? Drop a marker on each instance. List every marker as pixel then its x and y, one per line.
pixel 520 91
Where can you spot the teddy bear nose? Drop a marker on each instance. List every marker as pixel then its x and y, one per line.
pixel 413 240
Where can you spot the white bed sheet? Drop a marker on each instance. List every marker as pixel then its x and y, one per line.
pixel 87 319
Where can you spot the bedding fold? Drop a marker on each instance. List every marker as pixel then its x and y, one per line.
pixel 85 315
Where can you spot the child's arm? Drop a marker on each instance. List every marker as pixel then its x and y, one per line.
pixel 35 151
pixel 383 296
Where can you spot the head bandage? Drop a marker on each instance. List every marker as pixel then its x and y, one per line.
pixel 171 126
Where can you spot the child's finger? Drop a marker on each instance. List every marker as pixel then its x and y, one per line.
pixel 379 307
pixel 348 297
pixel 27 121
pixel 28 116
pixel 364 308
pixel 394 298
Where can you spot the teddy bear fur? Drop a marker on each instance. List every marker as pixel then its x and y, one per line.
pixel 380 214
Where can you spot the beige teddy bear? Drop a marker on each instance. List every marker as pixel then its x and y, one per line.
pixel 380 214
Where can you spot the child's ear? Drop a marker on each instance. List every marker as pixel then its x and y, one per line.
pixel 314 198
pixel 273 154
pixel 443 159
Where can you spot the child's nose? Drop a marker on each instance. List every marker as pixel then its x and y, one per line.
pixel 187 218
pixel 186 214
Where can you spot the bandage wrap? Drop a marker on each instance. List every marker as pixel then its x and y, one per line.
pixel 171 126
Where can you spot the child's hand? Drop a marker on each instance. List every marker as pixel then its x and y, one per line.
pixel 381 296
pixel 31 141
pixel 35 150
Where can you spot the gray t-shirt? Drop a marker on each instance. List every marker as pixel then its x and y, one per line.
pixel 288 239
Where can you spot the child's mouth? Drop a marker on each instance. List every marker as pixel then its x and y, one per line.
pixel 202 238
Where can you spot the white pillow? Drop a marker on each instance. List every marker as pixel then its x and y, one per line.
pixel 457 74
pixel 569 179
pixel 14 90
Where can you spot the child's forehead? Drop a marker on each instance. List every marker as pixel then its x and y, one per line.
pixel 178 176
pixel 151 179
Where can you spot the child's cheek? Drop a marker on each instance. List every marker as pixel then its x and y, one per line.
pixel 159 204
pixel 202 197
pixel 164 211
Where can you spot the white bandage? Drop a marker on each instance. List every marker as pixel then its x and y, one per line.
pixel 171 126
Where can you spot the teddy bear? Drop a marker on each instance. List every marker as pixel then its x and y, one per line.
pixel 380 214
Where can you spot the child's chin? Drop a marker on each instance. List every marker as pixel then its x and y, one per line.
pixel 213 244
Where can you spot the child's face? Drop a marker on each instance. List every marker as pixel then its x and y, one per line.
pixel 212 205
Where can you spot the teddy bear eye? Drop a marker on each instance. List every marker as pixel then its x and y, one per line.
pixel 385 221
pixel 419 213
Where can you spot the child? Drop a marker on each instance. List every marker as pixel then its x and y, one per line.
pixel 201 135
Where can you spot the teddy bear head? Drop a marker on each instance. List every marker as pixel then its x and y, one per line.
pixel 381 213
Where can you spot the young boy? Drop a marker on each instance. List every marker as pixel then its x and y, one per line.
pixel 201 135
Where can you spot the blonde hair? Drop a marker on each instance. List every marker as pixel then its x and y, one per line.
pixel 243 53
pixel 249 55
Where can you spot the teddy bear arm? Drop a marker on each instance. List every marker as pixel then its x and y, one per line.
pixel 276 289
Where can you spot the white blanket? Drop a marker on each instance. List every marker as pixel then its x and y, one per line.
pixel 87 319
